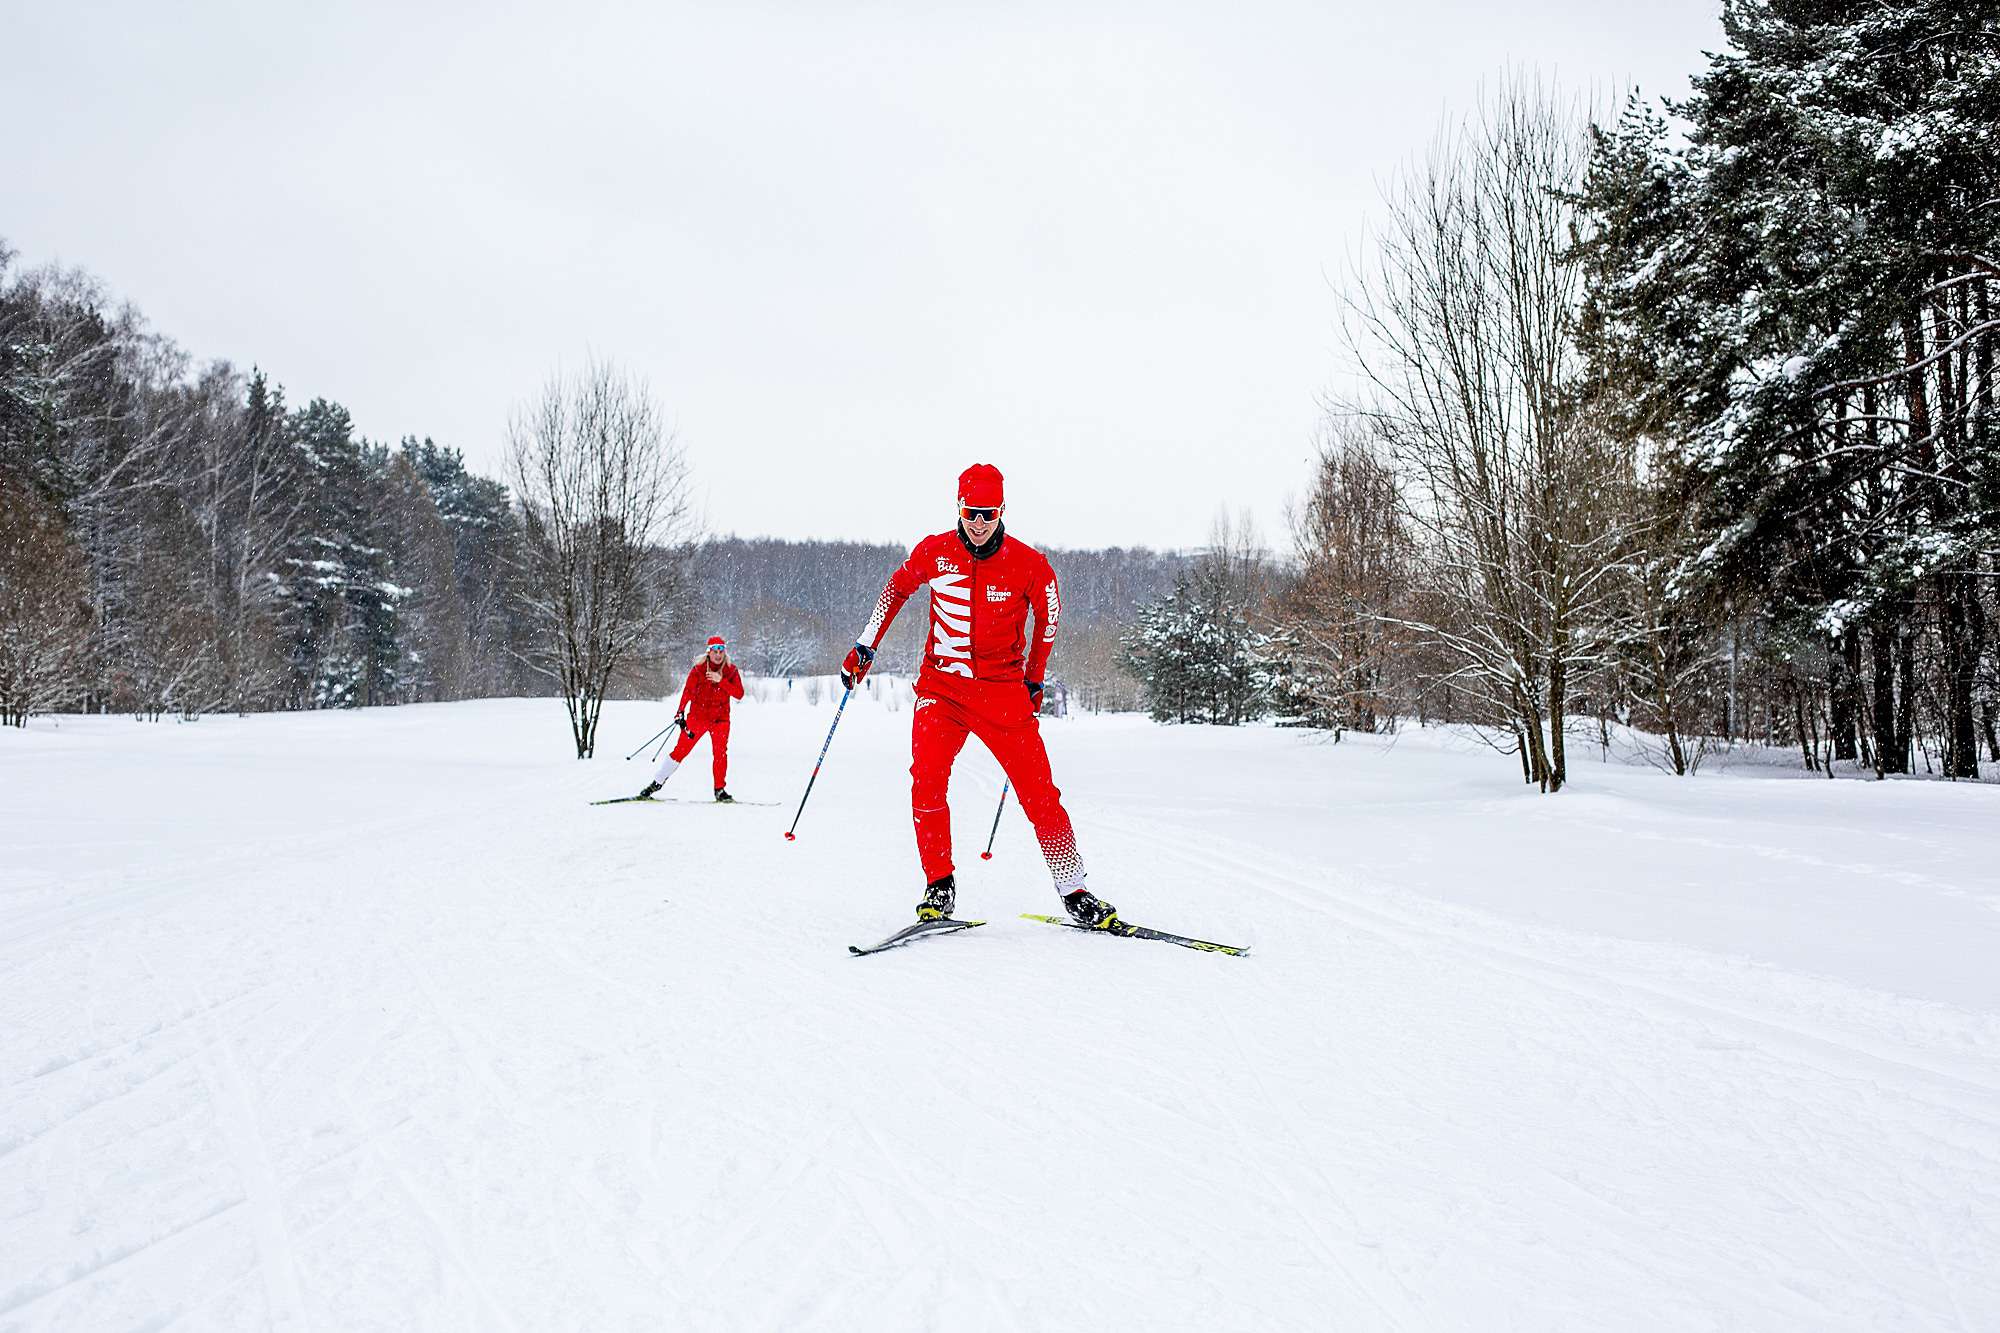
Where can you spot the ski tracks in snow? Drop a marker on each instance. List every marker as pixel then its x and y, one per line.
pixel 1651 1073
pixel 506 1061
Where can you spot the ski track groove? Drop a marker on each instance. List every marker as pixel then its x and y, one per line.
pixel 1327 1248
pixel 91 900
pixel 1912 879
pixel 1403 1317
pixel 188 1016
pixel 1855 1064
pixel 1330 898
pixel 89 1272
pixel 475 1053
pixel 70 1120
pixel 236 1113
pixel 735 1210
pixel 447 1247
pixel 229 1288
pixel 777 1182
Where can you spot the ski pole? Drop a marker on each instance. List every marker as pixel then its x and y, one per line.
pixel 987 855
pixel 655 736
pixel 663 745
pixel 789 837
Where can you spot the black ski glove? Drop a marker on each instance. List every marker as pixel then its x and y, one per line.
pixel 1035 694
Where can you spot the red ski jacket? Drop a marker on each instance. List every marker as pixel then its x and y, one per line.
pixel 993 620
pixel 705 703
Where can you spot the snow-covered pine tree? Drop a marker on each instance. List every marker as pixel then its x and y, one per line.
pixel 342 603
pixel 1801 301
pixel 1196 654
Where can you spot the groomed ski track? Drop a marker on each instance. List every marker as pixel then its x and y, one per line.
pixel 351 1021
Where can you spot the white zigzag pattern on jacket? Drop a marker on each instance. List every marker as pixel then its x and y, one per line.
pixel 951 624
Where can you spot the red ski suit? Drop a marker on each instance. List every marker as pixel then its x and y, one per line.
pixel 992 623
pixel 705 705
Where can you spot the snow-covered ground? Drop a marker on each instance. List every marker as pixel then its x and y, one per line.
pixel 367 1020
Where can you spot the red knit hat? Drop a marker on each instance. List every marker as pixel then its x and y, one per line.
pixel 981 486
pixel 717 641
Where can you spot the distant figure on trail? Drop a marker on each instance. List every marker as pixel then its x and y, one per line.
pixel 982 676
pixel 704 711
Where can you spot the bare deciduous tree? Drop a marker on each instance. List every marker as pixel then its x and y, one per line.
pixel 1354 553
pixel 604 497
pixel 1466 332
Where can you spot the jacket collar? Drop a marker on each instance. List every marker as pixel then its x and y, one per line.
pixel 991 544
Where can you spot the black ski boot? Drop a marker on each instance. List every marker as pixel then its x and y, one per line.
pixel 1087 910
pixel 646 792
pixel 724 796
pixel 940 896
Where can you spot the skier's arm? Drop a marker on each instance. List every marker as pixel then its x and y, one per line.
pixel 732 681
pixel 906 580
pixel 1046 610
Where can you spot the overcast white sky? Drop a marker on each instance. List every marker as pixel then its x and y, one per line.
pixel 853 247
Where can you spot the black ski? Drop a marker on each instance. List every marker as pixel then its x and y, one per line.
pixel 910 934
pixel 1131 931
pixel 677 800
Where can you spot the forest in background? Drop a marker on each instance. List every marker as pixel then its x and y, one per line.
pixel 178 538
pixel 1680 417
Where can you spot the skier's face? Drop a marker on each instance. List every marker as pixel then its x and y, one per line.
pixel 979 523
pixel 715 656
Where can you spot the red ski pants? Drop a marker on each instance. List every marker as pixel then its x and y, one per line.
pixel 936 736
pixel 719 734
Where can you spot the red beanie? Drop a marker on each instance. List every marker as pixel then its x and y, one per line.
pixel 980 487
pixel 717 641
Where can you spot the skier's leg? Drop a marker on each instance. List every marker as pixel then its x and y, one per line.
pixel 1026 763
pixel 674 757
pixel 937 734
pixel 718 736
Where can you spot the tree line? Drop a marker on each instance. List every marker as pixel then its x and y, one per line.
pixel 1683 419
pixel 794 607
pixel 177 539
pixel 180 539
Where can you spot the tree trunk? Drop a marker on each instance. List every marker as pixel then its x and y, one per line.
pixel 1799 723
pixel 1665 703
pixel 1843 692
pixel 1729 717
pixel 1531 727
pixel 1959 614
pixel 1906 699
pixel 1888 751
pixel 1558 700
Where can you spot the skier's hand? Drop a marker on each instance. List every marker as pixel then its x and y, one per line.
pixel 1035 694
pixel 715 677
pixel 859 659
pixel 680 720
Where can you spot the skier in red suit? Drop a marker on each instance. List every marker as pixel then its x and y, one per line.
pixel 993 615
pixel 704 711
